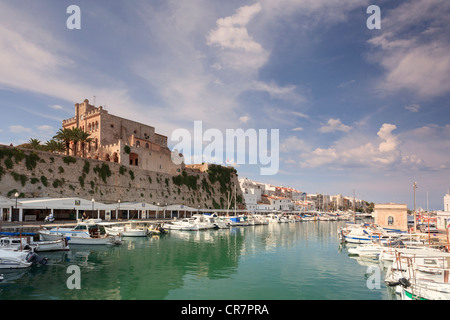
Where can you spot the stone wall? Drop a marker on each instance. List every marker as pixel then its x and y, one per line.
pixel 392 216
pixel 43 174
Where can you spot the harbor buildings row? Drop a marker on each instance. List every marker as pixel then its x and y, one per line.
pixel 263 197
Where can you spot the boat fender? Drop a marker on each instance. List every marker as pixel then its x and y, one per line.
pixel 404 282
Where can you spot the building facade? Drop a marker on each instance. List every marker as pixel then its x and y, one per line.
pixel 121 140
pixel 391 216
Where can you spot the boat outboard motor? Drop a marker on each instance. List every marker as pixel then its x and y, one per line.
pixel 33 257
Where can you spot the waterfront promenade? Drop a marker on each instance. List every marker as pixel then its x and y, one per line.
pixel 34 226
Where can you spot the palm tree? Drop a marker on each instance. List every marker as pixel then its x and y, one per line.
pixel 55 146
pixel 64 136
pixel 35 144
pixel 82 137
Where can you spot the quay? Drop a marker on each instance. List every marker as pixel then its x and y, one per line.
pixel 33 227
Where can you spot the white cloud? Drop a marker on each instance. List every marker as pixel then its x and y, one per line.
pixel 244 119
pixel 19 129
pixel 286 93
pixel 413 108
pixel 390 142
pixel 56 107
pixel 334 125
pixel 346 84
pixel 239 50
pixel 294 144
pixel 298 129
pixel 381 153
pixel 413 60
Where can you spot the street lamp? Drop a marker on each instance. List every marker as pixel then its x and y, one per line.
pixel 119 210
pixel 16 195
pixel 165 208
pixel 157 210
pixel 415 221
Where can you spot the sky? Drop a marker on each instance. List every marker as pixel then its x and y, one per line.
pixel 357 110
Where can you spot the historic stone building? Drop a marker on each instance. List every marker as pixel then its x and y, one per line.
pixel 391 216
pixel 121 140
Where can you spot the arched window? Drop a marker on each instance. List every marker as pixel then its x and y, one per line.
pixel 147 145
pixel 138 143
pixel 390 220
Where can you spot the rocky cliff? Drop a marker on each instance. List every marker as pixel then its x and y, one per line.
pixel 42 174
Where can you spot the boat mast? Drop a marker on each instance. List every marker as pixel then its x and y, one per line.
pixel 354 210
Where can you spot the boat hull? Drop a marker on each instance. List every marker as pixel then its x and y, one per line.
pixel 10 259
pixel 71 239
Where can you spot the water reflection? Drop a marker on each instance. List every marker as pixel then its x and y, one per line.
pixel 275 261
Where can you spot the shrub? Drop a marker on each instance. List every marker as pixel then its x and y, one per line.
pixel 69 160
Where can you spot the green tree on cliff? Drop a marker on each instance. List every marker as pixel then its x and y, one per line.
pixel 65 136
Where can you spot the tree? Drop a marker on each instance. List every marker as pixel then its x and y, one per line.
pixel 65 136
pixel 55 146
pixel 35 144
pixel 82 137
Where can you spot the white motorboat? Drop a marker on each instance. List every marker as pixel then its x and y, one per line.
pixel 186 224
pixel 360 234
pixel 131 229
pixel 88 232
pixel 23 243
pixel 204 221
pixel 259 219
pixel 273 218
pixel 12 259
pixel 220 223
pixel 375 249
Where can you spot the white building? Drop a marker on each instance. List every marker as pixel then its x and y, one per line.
pixel 443 217
pixel 447 202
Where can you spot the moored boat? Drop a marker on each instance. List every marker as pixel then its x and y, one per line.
pixel 88 232
pixel 23 243
pixel 12 259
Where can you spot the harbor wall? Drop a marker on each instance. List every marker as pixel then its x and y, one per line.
pixel 33 174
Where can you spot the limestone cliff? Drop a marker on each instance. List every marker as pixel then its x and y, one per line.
pixel 42 174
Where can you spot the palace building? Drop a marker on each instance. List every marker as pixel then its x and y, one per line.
pixel 121 140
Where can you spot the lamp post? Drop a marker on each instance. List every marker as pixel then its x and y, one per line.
pixel 165 208
pixel 16 195
pixel 157 210
pixel 415 221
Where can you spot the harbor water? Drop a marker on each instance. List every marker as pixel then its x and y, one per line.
pixel 282 261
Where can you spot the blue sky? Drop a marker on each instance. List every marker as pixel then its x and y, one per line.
pixel 356 109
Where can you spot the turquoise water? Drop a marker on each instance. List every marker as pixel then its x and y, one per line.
pixel 290 261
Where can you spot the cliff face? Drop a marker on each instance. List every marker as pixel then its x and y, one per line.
pixel 42 174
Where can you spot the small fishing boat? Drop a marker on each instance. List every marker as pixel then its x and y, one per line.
pixel 88 232
pixel 24 243
pixel 156 229
pixel 12 259
pixel 186 224
pixel 129 230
